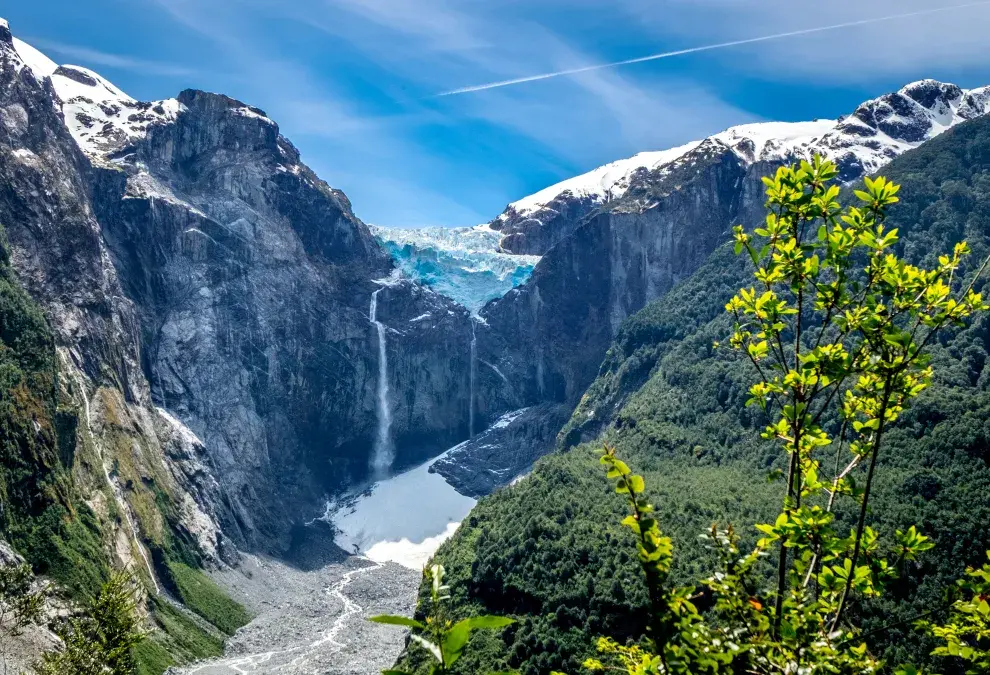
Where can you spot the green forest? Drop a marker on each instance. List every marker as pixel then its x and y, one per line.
pixel 551 551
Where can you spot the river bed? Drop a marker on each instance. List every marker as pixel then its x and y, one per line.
pixel 314 621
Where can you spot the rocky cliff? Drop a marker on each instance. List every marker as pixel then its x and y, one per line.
pixel 60 258
pixel 191 263
pixel 620 236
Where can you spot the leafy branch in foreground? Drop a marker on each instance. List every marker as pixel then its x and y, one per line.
pixel 837 329
pixel 439 635
pixel 967 632
pixel 100 641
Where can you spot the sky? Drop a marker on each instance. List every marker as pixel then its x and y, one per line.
pixel 362 87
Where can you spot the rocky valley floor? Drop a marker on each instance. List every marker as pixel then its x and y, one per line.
pixel 314 622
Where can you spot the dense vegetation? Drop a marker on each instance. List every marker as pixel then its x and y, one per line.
pixel 200 594
pixel 58 534
pixel 550 550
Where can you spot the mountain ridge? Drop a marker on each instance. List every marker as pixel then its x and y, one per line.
pixel 860 143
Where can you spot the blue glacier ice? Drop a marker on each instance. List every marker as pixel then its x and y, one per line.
pixel 463 263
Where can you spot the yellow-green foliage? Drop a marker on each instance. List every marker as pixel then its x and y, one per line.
pixel 966 634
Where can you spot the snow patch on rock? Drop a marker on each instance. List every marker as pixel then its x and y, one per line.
pixel 247 111
pixel 102 118
pixel 861 143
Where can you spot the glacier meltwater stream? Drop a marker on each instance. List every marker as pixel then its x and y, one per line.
pixel 315 622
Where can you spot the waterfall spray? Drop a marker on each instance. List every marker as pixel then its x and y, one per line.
pixel 384 453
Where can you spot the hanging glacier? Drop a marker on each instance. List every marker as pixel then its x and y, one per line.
pixel 464 263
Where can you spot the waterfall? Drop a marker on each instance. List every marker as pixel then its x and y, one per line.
pixel 384 453
pixel 473 369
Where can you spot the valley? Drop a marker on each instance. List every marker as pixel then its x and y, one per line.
pixel 310 622
pixel 224 381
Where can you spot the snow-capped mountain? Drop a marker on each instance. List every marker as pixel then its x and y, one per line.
pixel 860 143
pixel 463 263
pixel 101 117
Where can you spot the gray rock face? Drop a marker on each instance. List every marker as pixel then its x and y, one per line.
pixel 504 451
pixel 537 232
pixel 550 335
pixel 58 252
pixel 252 280
pixel 250 277
pixel 188 258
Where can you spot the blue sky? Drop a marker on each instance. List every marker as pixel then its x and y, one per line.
pixel 354 83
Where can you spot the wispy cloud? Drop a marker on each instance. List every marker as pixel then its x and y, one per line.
pixel 364 152
pixel 355 82
pixel 950 37
pixel 706 48
pixel 120 61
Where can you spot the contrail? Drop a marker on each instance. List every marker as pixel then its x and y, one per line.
pixel 706 48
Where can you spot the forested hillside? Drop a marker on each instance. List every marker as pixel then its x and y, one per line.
pixel 550 550
pixel 37 440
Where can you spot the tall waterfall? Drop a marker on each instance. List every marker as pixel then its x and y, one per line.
pixel 381 460
pixel 473 368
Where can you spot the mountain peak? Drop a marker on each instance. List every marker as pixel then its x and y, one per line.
pixel 101 117
pixel 205 100
pixel 860 143
pixel 930 92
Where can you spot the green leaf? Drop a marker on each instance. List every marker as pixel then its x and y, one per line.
pixel 621 467
pixel 636 483
pixel 454 641
pixel 397 621
pixel 488 622
pixel 456 638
